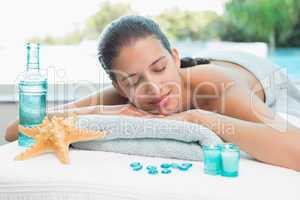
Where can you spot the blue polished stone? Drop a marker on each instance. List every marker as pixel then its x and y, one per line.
pixel 137 168
pixel 151 167
pixel 135 164
pixel 175 165
pixel 188 165
pixel 181 168
pixel 165 165
pixel 185 166
pixel 153 172
pixel 166 171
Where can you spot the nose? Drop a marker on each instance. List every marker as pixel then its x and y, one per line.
pixel 150 86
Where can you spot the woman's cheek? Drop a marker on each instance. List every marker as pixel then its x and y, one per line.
pixel 139 100
pixel 175 104
pixel 175 99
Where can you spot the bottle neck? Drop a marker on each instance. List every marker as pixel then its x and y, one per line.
pixel 33 58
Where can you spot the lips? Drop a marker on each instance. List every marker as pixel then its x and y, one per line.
pixel 156 101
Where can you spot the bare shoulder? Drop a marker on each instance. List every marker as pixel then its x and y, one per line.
pixel 211 83
pixel 211 75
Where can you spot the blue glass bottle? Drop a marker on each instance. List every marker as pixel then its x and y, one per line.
pixel 32 94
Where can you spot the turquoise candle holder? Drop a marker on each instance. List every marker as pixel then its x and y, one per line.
pixel 212 159
pixel 230 160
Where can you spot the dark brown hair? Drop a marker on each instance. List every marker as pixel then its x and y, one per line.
pixel 127 29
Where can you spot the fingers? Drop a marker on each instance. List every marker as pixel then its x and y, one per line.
pixel 153 116
pixel 137 112
pixel 159 116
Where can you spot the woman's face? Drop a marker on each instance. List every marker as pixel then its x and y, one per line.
pixel 148 75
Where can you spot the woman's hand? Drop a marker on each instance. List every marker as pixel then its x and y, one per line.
pixel 130 110
pixel 193 116
pixel 11 133
pixel 122 109
pixel 186 116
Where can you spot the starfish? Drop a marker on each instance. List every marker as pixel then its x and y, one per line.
pixel 56 135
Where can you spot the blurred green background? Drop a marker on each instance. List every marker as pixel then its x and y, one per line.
pixel 276 22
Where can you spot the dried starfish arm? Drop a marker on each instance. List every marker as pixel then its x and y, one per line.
pixel 62 152
pixel 45 122
pixel 70 121
pixel 77 134
pixel 35 150
pixel 74 119
pixel 30 132
pixel 56 134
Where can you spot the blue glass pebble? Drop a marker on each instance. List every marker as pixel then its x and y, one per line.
pixel 151 167
pixel 153 172
pixel 135 164
pixel 166 171
pixel 137 168
pixel 165 165
pixel 183 168
pixel 175 165
pixel 188 165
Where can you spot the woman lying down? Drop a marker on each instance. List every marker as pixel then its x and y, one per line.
pixel 225 92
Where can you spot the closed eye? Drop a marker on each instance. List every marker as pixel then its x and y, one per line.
pixel 160 65
pixel 133 82
pixel 161 69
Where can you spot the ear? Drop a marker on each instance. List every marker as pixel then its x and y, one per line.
pixel 119 89
pixel 175 55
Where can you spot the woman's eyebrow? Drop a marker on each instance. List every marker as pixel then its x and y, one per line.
pixel 157 60
pixel 126 77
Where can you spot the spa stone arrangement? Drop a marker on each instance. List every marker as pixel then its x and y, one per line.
pixel 165 168
pixel 220 159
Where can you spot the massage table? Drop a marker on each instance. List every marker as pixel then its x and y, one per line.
pixel 95 175
pixel 105 175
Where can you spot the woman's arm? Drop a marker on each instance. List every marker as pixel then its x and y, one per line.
pixel 246 121
pixel 11 133
pixel 273 131
pixel 259 140
pixel 107 96
pixel 124 109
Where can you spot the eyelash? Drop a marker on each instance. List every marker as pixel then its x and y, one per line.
pixel 160 70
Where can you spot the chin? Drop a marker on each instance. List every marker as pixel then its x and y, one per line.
pixel 171 108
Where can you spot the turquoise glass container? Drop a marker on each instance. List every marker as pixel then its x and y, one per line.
pixel 32 95
pixel 212 159
pixel 230 160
